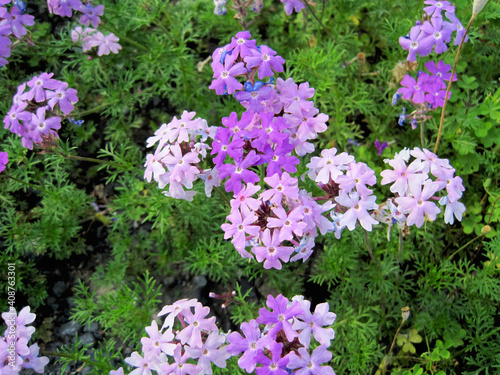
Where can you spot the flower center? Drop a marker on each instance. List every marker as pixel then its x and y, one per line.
pixel 281 317
pixel 241 41
pixel 356 207
pixel 414 45
pixel 195 323
pixel 272 250
pixel 254 94
pixel 241 227
pixel 437 35
pixel 205 351
pixel 265 57
pixel 275 158
pixel 224 148
pixel 309 364
pixel 279 188
pixel 287 223
pixel 420 202
pixel 253 345
pixel 239 170
pixel 224 74
pixel 273 366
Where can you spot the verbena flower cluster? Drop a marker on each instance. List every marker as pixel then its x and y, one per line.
pixel 88 37
pixel 12 22
pixel 415 189
pixel 4 160
pixel 14 351
pixel 427 91
pixel 277 342
pixel 35 115
pixel 255 155
pixel 256 6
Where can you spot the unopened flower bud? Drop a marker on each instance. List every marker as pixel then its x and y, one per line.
pixel 478 6
pixel 405 312
pixel 485 229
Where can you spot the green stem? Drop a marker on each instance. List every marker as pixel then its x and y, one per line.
pixel 36 187
pixel 310 9
pixel 467 244
pixel 95 109
pixel 386 360
pixel 128 40
pixel 105 71
pixel 441 122
pixel 370 249
pixel 221 193
pixel 92 160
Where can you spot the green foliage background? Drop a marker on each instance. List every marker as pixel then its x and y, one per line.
pixel 447 275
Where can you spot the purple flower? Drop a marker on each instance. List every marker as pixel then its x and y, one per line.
pixel 211 351
pixel 452 210
pixel 281 186
pixel 415 44
pixel 357 176
pixel 457 26
pixel 313 323
pixel 196 323
pixel 412 89
pixel 265 60
pixel 441 70
pixel 437 33
pixel 403 175
pixel 239 171
pixel 224 75
pixel 293 96
pixel 15 21
pixel 435 7
pixel 280 316
pixel 358 210
pixel 250 345
pixel 311 364
pixel 179 367
pixel 43 127
pixel 4 159
pixel 64 97
pixel 63 7
pixel 327 167
pixel 243 200
pixel 91 15
pixel 380 146
pixel 274 366
pixel 158 342
pixel 106 43
pixel 289 223
pixel 252 99
pixel 4 50
pixel 241 45
pixel 436 94
pixel 38 84
pixel 291 5
pixel 238 228
pixel 417 205
pixel 272 252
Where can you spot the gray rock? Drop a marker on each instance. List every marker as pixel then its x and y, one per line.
pixel 200 281
pixel 69 329
pixel 86 370
pixel 59 288
pixel 87 339
pixel 92 327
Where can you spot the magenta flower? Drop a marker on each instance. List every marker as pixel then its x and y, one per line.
pixel 295 97
pixel 291 5
pixel 437 33
pixel 244 201
pixel 272 252
pixel 413 90
pixel 441 70
pixel 265 60
pixel 417 204
pixel 310 364
pixel 4 50
pixel 239 172
pixel 42 126
pixel 280 316
pixel 241 45
pixel 4 159
pixel 180 367
pixel 224 77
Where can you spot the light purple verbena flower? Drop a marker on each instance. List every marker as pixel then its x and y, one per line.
pixel 63 8
pixel 266 60
pixel 238 228
pixel 358 210
pixel 291 5
pixel 15 21
pixel 415 43
pixel 224 76
pixel 238 172
pixel 437 6
pixel 403 175
pixel 311 364
pixel 276 365
pixel 91 14
pixel 272 252
pixel 312 324
pixel 438 33
pixel 106 44
pixel 64 97
pixel 417 205
pixel 328 166
pixel 413 90
pixel 279 318
pixel 211 351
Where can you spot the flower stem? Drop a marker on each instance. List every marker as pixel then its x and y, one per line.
pixel 95 109
pixel 370 249
pixel 37 187
pixel 386 360
pixel 467 244
pixel 92 160
pixel 441 122
pixel 221 193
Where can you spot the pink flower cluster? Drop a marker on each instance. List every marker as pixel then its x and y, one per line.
pixel 281 346
pixel 256 6
pixel 11 23
pixel 30 111
pixel 427 92
pixel 181 146
pixel 14 351
pixel 64 8
pixel 190 350
pixel 90 38
pixel 415 190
